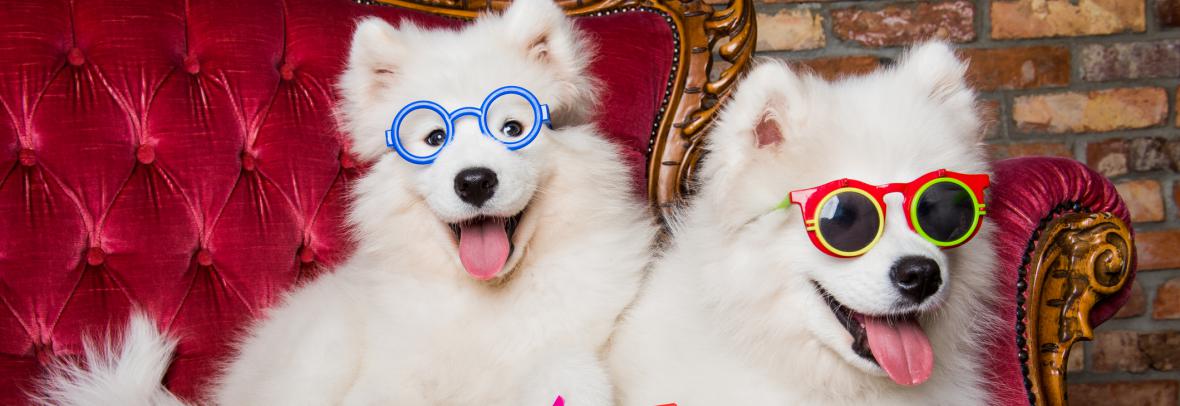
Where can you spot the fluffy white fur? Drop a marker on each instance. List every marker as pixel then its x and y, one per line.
pixel 126 371
pixel 730 315
pixel 400 322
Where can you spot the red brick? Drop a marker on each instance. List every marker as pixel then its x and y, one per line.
pixel 905 23
pixel 790 30
pixel 1065 18
pixel 1157 250
pixel 1147 154
pixel 1134 60
pixel 1108 157
pixel 1099 110
pixel 1077 358
pixel 1131 393
pixel 1116 351
pixel 1162 349
pixel 1172 150
pixel 1017 68
pixel 1136 305
pixel 1155 350
pixel 841 66
pixel 1119 156
pixel 1167 301
pixel 1005 151
pixel 1168 12
pixel 1143 198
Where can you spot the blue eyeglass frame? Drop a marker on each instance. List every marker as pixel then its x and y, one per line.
pixel 540 118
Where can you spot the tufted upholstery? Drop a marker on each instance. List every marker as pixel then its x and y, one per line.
pixel 182 156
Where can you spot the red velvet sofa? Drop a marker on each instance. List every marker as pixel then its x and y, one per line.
pixel 182 157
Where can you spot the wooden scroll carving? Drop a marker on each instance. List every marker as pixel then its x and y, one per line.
pixel 1079 259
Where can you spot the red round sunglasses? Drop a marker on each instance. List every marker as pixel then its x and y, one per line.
pixel 846 217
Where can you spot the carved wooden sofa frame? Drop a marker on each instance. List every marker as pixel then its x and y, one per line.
pixel 1072 261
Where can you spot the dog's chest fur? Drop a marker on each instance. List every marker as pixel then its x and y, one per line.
pixel 409 326
pixel 737 359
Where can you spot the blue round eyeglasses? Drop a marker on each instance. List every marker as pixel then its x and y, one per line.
pixel 513 143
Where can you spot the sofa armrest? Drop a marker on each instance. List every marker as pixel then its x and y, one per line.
pixel 1066 262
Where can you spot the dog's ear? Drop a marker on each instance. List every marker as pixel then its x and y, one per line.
pixel 759 116
pixel 540 29
pixel 758 131
pixel 373 59
pixel 376 50
pixel 934 68
pixel 543 33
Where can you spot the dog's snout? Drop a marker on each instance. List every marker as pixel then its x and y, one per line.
pixel 916 277
pixel 476 185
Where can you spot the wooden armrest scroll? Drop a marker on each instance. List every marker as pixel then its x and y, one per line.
pixel 1078 259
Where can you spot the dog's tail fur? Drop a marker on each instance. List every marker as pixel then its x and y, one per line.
pixel 125 373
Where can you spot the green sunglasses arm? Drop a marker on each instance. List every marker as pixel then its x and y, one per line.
pixel 785 203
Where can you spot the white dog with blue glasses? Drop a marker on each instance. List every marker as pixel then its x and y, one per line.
pixel 495 251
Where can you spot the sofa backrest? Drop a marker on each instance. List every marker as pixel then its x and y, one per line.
pixel 182 157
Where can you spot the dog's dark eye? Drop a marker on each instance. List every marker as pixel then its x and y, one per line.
pixel 512 128
pixel 436 138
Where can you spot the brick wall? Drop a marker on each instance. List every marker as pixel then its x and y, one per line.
pixel 1094 80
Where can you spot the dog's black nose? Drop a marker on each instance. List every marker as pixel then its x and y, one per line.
pixel 916 277
pixel 476 185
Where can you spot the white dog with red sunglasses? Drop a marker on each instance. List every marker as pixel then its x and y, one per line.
pixel 744 309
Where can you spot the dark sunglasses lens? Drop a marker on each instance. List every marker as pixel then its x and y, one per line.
pixel 946 211
pixel 849 221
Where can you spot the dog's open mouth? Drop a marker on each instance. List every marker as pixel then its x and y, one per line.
pixel 895 342
pixel 485 243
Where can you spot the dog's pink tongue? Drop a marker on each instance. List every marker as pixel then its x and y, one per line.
pixel 901 348
pixel 483 248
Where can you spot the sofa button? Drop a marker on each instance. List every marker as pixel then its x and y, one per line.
pixel 43 348
pixel 75 57
pixel 248 162
pixel 145 154
pixel 95 256
pixel 306 255
pixel 27 157
pixel 287 72
pixel 204 257
pixel 192 65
